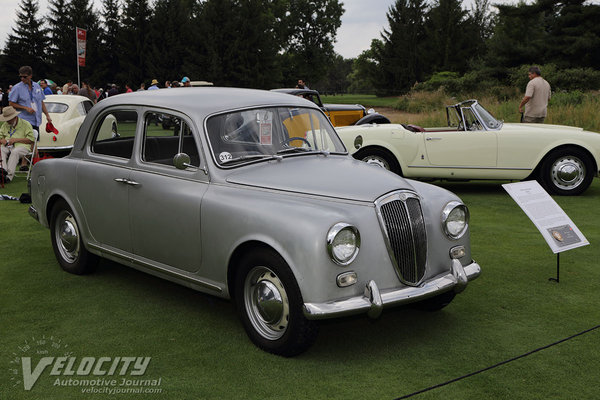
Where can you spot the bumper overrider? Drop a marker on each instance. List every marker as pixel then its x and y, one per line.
pixel 373 300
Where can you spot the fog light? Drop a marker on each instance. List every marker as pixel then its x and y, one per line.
pixel 457 252
pixel 347 279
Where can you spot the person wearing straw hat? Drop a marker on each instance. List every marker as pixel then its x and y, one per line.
pixel 154 85
pixel 16 138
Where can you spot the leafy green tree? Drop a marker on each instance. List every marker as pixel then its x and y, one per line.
pixel 399 56
pixel 308 31
pixel 364 71
pixel 27 43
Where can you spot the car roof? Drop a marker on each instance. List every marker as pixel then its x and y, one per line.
pixel 296 91
pixel 203 101
pixel 69 99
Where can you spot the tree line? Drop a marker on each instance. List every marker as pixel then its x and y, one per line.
pixel 272 43
pixel 245 43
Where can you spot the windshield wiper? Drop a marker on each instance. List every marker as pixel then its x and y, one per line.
pixel 294 150
pixel 249 157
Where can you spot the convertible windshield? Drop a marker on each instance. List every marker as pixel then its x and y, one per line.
pixel 267 133
pixel 487 118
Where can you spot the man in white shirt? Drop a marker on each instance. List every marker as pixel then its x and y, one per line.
pixel 536 98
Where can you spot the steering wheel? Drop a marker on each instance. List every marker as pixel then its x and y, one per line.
pixel 287 141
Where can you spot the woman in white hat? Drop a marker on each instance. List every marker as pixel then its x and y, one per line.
pixel 16 138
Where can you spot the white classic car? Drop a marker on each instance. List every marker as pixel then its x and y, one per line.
pixel 67 113
pixel 475 145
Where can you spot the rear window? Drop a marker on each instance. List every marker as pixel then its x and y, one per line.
pixel 56 108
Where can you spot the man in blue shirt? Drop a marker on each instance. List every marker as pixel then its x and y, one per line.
pixel 27 96
pixel 45 87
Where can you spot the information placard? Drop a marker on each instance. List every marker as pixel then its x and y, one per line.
pixel 554 224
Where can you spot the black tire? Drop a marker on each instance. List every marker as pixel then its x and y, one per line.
pixel 67 243
pixel 379 157
pixel 436 303
pixel 566 171
pixel 270 305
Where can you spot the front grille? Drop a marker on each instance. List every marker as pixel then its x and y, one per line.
pixel 404 228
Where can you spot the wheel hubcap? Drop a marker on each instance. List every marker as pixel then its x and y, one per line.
pixel 378 161
pixel 568 172
pixel 67 237
pixel 266 303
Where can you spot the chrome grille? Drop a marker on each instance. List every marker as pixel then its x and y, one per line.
pixel 404 228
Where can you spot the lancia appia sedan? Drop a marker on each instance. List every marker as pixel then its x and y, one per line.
pixel 251 196
pixel 475 145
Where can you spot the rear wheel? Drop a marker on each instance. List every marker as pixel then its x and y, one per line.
pixel 67 241
pixel 567 171
pixel 270 305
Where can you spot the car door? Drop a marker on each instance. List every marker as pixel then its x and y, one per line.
pixel 164 202
pixel 102 178
pixel 471 148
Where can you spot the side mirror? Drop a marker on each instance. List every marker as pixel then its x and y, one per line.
pixel 182 161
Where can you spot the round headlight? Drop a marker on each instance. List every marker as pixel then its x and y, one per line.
pixel 343 243
pixel 455 219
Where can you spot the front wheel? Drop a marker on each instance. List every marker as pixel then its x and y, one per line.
pixel 67 242
pixel 567 172
pixel 380 158
pixel 270 305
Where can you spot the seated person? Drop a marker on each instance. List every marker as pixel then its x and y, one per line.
pixel 16 138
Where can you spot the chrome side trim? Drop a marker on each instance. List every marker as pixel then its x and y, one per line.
pixel 33 212
pixel 136 261
pixel 468 167
pixel 372 301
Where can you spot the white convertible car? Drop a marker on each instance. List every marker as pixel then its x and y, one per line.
pixel 475 145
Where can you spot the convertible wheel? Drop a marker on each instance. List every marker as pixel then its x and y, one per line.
pixel 436 303
pixel 379 157
pixel 66 241
pixel 270 305
pixel 567 171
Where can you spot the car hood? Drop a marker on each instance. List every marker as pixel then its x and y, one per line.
pixel 542 127
pixel 332 176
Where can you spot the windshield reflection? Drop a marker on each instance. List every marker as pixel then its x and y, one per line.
pixel 268 133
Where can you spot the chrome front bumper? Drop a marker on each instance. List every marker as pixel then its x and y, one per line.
pixel 373 301
pixel 33 212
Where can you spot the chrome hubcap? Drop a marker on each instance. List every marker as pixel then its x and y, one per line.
pixel 568 172
pixel 378 161
pixel 266 303
pixel 67 237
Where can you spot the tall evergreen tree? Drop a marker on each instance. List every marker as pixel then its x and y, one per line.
pixel 399 56
pixel 108 63
pixel 133 42
pixel 83 16
pixel 27 43
pixel 169 45
pixel 61 52
pixel 451 36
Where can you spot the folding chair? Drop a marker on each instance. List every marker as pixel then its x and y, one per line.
pixel 29 156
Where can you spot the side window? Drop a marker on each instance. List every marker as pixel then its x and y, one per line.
pixel 115 134
pixel 166 135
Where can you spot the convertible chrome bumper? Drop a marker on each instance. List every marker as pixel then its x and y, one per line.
pixel 33 212
pixel 373 301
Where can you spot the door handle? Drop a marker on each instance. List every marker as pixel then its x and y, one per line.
pixel 434 138
pixel 126 181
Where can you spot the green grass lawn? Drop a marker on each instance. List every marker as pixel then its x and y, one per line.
pixel 199 349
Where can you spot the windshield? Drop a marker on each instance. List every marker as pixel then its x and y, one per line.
pixel 266 133
pixel 487 118
pixel 56 108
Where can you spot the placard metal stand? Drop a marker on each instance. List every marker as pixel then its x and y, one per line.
pixel 557 279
